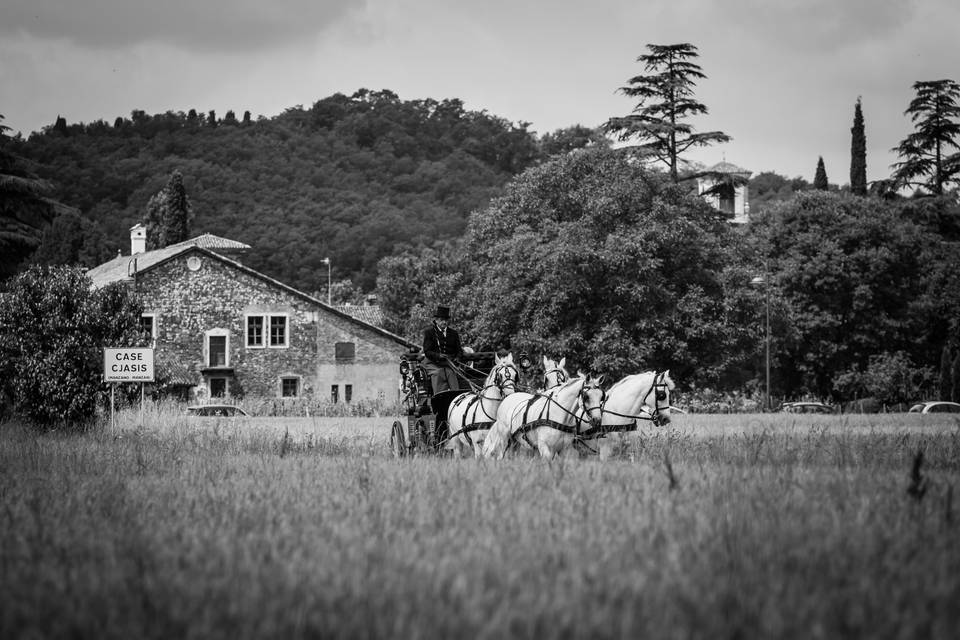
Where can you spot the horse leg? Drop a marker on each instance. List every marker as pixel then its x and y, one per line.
pixel 546 451
pixel 491 444
pixel 478 440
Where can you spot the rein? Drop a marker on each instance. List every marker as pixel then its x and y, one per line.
pixel 542 421
pixel 658 387
pixel 500 380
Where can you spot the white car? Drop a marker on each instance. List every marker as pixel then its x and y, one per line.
pixel 937 406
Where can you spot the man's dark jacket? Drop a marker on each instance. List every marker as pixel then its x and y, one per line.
pixel 436 346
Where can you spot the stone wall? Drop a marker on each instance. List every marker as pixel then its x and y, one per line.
pixel 195 295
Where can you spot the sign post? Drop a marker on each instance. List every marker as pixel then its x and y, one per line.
pixel 127 364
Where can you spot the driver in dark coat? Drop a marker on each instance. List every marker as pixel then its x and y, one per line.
pixel 441 344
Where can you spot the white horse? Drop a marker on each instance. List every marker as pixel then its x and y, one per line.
pixel 635 398
pixel 554 373
pixel 546 422
pixel 471 415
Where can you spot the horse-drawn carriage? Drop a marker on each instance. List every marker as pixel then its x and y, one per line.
pixel 494 410
pixel 423 425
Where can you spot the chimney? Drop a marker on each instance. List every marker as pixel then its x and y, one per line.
pixel 138 239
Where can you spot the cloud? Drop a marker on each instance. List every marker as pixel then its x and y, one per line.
pixel 812 26
pixel 199 25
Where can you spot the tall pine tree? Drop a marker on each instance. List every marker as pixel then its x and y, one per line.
pixel 666 98
pixel 820 178
pixel 930 154
pixel 858 153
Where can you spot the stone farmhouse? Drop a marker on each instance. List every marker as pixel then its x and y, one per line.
pixel 222 329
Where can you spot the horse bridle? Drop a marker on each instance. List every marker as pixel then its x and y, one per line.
pixel 583 398
pixel 659 388
pixel 561 376
pixel 500 379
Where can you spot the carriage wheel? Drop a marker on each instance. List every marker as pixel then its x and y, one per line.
pixel 398 444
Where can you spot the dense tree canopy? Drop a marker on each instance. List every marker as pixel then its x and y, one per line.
pixel 355 178
pixel 593 257
pixel 24 207
pixel 53 329
pixel 852 280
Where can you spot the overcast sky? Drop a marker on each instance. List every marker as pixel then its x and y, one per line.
pixel 782 75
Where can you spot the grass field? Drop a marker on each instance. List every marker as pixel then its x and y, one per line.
pixel 719 526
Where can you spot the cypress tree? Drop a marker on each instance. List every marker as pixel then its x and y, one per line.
pixel 820 178
pixel 858 153
pixel 167 217
pixel 177 218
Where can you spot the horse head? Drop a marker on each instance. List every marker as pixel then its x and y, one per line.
pixel 659 391
pixel 504 375
pixel 591 399
pixel 554 373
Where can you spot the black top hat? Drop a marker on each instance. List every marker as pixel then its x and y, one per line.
pixel 442 313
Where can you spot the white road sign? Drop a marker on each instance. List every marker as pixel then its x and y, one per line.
pixel 128 364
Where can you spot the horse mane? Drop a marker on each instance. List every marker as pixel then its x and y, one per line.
pixel 556 390
pixel 629 378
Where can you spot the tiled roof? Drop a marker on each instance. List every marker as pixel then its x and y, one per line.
pixel 210 241
pixel 728 167
pixel 369 313
pixel 122 267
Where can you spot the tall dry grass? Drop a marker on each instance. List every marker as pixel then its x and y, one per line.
pixel 773 528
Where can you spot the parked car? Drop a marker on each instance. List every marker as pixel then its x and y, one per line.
pixel 936 406
pixel 226 410
pixel 806 407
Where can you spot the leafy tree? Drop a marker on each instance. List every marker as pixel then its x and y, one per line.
pixel 666 98
pixel 411 285
pixel 168 214
pixel 298 187
pixel 25 209
pixel 71 239
pixel 820 177
pixel 53 329
pixel 566 140
pixel 893 378
pixel 854 285
pixel 927 162
pixel 858 153
pixel 611 264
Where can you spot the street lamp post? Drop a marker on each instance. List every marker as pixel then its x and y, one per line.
pixel 326 261
pixel 762 281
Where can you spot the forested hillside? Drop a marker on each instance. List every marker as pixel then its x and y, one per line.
pixel 351 178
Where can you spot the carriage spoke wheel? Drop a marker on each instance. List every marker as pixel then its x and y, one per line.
pixel 398 444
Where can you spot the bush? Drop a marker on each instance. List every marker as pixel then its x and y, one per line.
pixel 53 329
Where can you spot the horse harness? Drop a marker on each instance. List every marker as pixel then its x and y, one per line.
pixel 659 388
pixel 544 419
pixel 561 376
pixel 504 374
